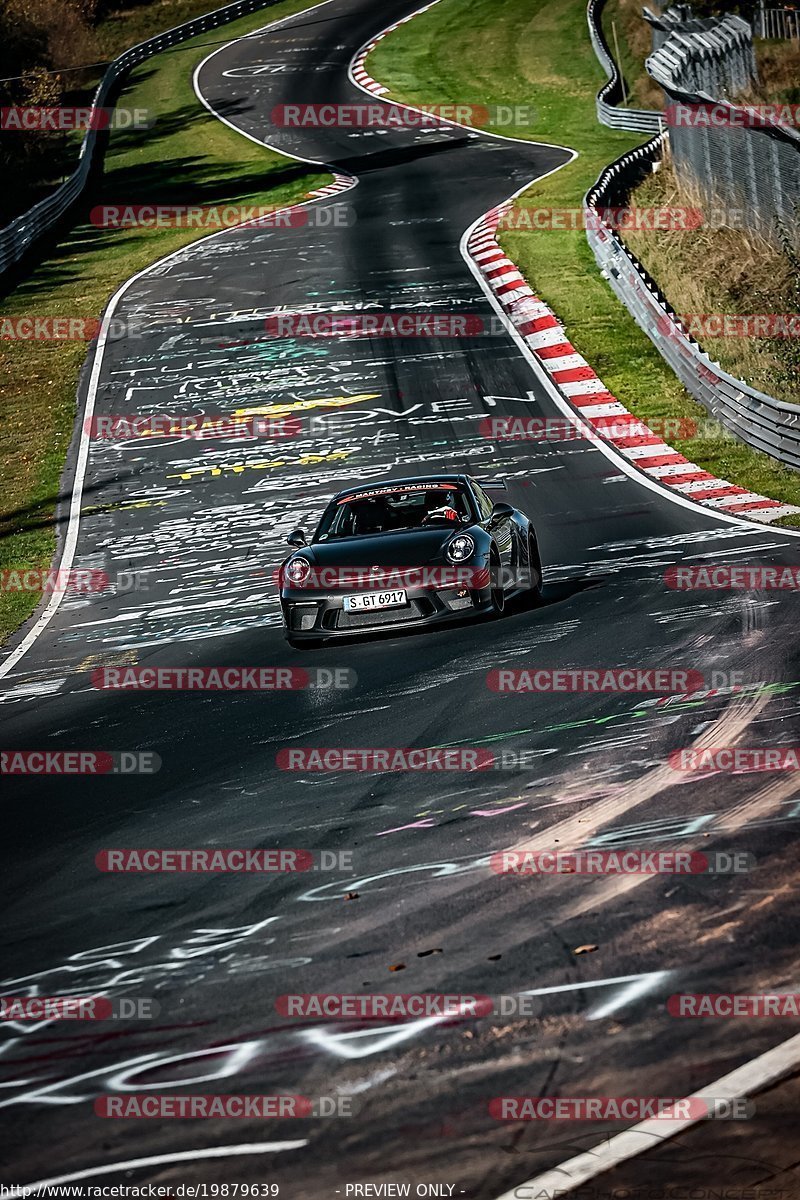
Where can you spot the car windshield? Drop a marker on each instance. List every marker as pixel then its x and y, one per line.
pixel 390 510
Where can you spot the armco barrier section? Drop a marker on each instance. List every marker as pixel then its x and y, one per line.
pixel 637 120
pixel 737 156
pixel 18 237
pixel 753 417
pixel 716 53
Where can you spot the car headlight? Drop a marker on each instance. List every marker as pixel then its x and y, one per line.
pixel 297 572
pixel 460 548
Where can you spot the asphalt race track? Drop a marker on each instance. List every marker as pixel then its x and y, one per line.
pixel 200 525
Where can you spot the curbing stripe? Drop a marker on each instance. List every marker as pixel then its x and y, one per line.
pixel 580 387
pixel 603 410
pixel 558 353
pixel 542 342
pixel 577 381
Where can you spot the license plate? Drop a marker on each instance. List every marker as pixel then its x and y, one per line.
pixel 375 600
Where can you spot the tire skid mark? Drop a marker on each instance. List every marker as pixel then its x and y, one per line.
pixel 575 830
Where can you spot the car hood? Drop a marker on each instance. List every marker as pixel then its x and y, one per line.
pixel 413 549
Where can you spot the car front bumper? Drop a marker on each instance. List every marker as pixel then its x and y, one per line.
pixel 312 615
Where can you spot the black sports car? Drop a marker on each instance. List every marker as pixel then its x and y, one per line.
pixel 407 552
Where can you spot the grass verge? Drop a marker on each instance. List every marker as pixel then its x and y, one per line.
pixel 188 156
pixel 498 51
pixel 635 41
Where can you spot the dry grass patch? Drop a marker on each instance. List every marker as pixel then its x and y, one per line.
pixel 779 71
pixel 723 270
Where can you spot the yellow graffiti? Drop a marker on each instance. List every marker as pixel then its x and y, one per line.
pixel 281 410
pixel 304 460
pixel 239 418
pixel 122 506
pixel 121 659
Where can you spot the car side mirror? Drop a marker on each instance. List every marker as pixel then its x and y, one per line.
pixel 500 512
pixel 297 537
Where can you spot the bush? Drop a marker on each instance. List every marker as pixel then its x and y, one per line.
pixel 40 45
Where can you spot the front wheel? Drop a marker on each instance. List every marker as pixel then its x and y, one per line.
pixel 497 595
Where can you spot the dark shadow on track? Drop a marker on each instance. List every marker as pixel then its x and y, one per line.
pixel 556 593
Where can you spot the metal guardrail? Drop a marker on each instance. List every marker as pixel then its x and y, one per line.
pixel 737 156
pixel 636 120
pixel 751 416
pixel 781 23
pixel 715 52
pixel 24 231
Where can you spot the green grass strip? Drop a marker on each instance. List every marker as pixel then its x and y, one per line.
pixel 187 157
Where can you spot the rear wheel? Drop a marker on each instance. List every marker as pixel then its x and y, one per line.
pixel 533 592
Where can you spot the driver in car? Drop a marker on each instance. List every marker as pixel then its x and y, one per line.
pixel 441 508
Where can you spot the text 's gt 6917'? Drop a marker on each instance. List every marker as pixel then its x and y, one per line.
pixel 404 553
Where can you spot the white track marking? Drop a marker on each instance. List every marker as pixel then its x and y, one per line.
pixel 251 137
pixel 638 985
pixel 744 1081
pixel 73 525
pixel 158 1160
